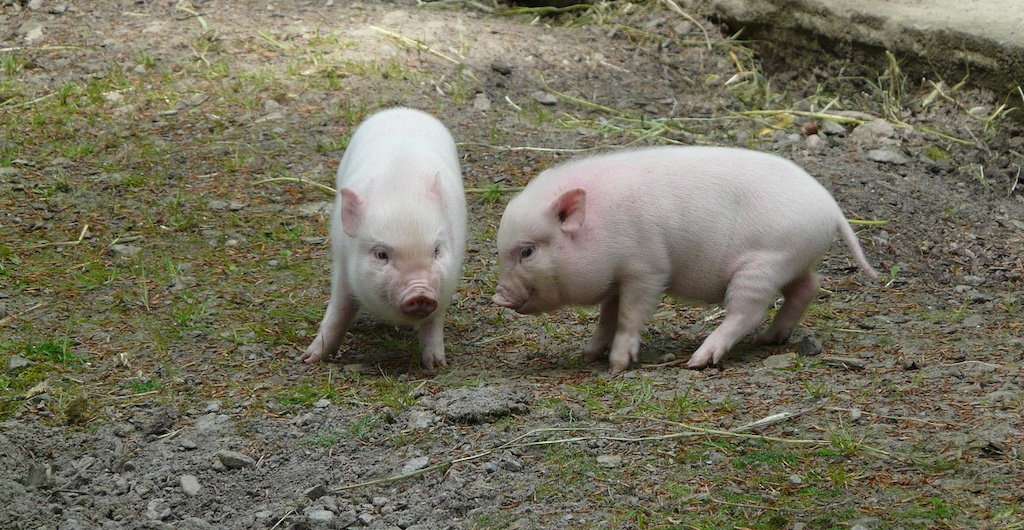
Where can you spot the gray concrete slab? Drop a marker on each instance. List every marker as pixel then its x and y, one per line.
pixel 934 38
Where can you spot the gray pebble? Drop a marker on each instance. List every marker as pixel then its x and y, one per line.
pixel 886 156
pixel 234 460
pixel 544 98
pixel 190 485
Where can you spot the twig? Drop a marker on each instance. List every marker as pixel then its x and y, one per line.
pixel 41 48
pixel 496 189
pixel 15 316
pixel 281 520
pixel 78 241
pixel 866 222
pixel 417 44
pixel 325 188
pixel 527 148
pixel 518 443
pixel 582 102
pixel 675 7
pixel 186 6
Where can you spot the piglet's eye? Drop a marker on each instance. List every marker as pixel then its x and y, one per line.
pixel 380 254
pixel 526 252
pixel 437 251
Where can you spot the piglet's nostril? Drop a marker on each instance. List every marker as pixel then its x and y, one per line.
pixel 419 306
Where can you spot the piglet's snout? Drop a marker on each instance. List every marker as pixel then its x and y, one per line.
pixel 419 302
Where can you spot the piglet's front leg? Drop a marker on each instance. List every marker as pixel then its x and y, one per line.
pixel 637 300
pixel 432 341
pixel 605 332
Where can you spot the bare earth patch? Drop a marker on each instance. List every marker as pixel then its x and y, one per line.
pixel 163 261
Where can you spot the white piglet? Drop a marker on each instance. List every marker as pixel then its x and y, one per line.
pixel 398 231
pixel 711 224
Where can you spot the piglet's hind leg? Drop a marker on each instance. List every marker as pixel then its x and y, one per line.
pixel 746 302
pixel 798 296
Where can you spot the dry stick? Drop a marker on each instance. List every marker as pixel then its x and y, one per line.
pixel 691 431
pixel 15 316
pixel 330 191
pixel 419 45
pixel 675 7
pixel 78 241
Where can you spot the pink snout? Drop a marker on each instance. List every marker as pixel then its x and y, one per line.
pixel 419 305
pixel 499 299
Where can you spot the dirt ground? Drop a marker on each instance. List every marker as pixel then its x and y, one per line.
pixel 156 288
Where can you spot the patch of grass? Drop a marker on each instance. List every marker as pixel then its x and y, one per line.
pixel 305 393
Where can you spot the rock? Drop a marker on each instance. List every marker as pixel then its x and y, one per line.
pixel 190 485
pixel 831 128
pixel 886 156
pixel 501 67
pixel 481 102
pixel 315 492
pixel 125 251
pixel 475 405
pixel 234 460
pixel 416 464
pixel 421 419
pixel 609 460
pixel 544 98
pixel 39 476
pixel 319 517
pixel 782 360
pixel 158 510
pixel 808 345
pixel 795 480
pixel 872 132
pixel 367 518
pixel 9 173
pixel 16 362
pixel 322 404
pixel 815 142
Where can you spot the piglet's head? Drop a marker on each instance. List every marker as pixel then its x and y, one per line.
pixel 400 255
pixel 532 238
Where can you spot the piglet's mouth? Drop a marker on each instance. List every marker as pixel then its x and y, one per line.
pixel 523 308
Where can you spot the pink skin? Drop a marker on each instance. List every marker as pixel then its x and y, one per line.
pixel 717 225
pixel 398 231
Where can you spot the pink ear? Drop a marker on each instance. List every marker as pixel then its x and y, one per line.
pixel 353 206
pixel 570 208
pixel 434 190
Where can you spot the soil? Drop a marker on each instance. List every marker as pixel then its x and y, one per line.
pixel 913 383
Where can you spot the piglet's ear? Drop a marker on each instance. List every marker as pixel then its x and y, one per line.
pixel 353 207
pixel 570 208
pixel 434 189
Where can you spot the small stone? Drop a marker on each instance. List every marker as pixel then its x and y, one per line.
pixel 416 464
pixel 855 414
pixel 609 460
pixel 502 67
pixel 814 142
pixel 886 156
pixel 782 360
pixel 125 251
pixel 9 172
pixel 236 205
pixel 795 480
pixel 481 102
pixel 315 492
pixel 491 467
pixel 157 510
pixel 544 98
pixel 320 516
pixel 831 128
pixel 809 345
pixel 190 485
pixel 16 362
pixel 187 444
pixel 234 460
pixel 421 419
pixel 872 132
pixel 322 404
